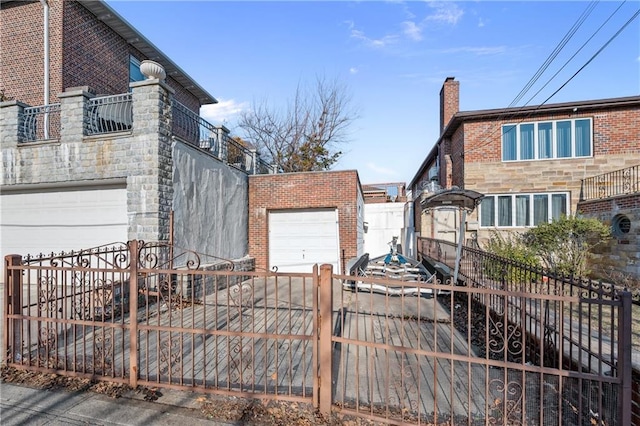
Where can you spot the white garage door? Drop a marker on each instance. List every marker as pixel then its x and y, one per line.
pixel 52 221
pixel 301 238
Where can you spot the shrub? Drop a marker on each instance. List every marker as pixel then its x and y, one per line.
pixel 564 244
pixel 511 247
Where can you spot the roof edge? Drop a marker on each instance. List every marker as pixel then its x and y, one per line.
pixel 132 36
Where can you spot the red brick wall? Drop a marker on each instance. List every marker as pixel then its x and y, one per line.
pixel 449 101
pixel 335 189
pixel 615 131
pixel 94 55
pixel 457 157
pixel 83 52
pixel 22 52
pixel 609 205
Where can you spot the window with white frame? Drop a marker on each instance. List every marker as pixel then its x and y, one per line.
pixel 134 70
pixel 522 210
pixel 547 139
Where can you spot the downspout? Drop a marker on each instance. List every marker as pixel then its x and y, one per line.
pixel 45 19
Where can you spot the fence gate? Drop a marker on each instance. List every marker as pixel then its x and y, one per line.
pixel 505 345
pixel 153 314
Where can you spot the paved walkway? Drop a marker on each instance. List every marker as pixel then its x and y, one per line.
pixel 21 405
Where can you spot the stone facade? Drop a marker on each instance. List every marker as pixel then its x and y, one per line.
pixel 141 157
pixel 335 189
pixel 469 152
pixel 622 253
pixel 160 174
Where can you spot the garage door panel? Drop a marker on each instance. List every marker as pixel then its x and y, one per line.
pixel 299 239
pixel 53 221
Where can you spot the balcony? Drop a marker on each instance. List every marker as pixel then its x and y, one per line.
pixel 612 184
pixel 81 115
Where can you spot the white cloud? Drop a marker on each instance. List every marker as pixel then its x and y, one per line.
pixel 479 51
pixel 223 111
pixel 481 23
pixel 381 170
pixel 353 70
pixel 412 31
pixel 372 42
pixel 445 12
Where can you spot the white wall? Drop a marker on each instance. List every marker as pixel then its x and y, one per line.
pixel 210 202
pixel 384 221
pixel 360 231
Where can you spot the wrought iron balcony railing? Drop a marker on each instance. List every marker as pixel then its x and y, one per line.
pixel 40 123
pixel 108 114
pixel 195 130
pixel 619 182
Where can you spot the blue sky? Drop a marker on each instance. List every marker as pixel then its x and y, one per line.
pixel 393 56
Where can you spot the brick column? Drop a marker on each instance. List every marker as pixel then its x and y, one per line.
pixel 150 189
pixel 11 117
pixel 73 113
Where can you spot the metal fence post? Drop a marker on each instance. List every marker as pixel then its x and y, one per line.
pixel 326 332
pixel 133 313
pixel 12 306
pixel 624 358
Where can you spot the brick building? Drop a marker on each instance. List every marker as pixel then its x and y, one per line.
pixel 299 219
pixel 527 161
pixel 88 44
pixel 113 154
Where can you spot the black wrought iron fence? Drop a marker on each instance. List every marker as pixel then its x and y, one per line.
pixel 619 182
pixel 582 325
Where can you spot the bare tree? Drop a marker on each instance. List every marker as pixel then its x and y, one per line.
pixel 305 136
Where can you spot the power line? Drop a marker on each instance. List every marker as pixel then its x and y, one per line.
pixel 578 51
pixel 633 17
pixel 553 55
pixel 548 61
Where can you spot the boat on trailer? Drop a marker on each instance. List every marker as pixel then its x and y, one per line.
pixel 391 266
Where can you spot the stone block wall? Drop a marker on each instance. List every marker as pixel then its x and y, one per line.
pixel 539 176
pixel 622 253
pixel 141 156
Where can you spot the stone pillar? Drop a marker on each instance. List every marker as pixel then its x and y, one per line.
pixel 73 113
pixel 11 119
pixel 150 189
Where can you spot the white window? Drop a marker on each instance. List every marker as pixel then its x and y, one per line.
pixel 547 140
pixel 522 210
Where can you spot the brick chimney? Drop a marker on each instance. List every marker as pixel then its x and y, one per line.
pixel 449 101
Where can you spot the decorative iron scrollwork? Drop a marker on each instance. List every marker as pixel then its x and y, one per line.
pixel 47 342
pixel 240 362
pixel 170 357
pixel 103 350
pixel 114 255
pixel 506 408
pixel 241 294
pixel 47 295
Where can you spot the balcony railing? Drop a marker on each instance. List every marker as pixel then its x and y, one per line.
pixel 108 114
pixel 195 130
pixel 620 182
pixel 40 123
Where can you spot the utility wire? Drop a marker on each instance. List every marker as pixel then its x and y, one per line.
pixel 554 54
pixel 578 51
pixel 546 64
pixel 633 17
